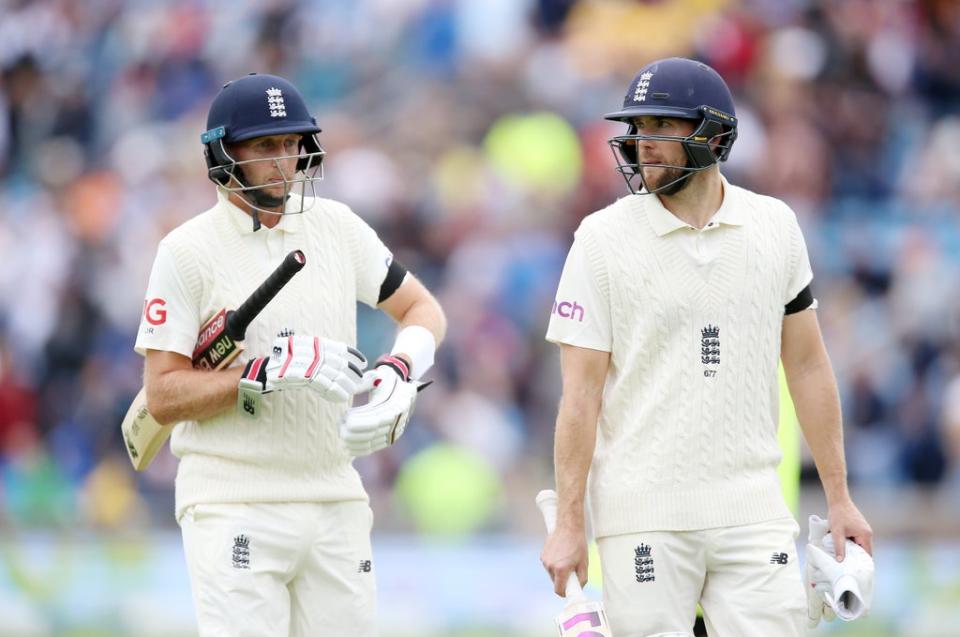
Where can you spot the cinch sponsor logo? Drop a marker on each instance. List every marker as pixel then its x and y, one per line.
pixel 153 311
pixel 568 309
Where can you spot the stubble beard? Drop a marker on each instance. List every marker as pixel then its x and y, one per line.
pixel 263 199
pixel 675 174
pixel 260 198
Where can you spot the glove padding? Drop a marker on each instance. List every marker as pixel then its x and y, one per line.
pixel 332 369
pixel 836 589
pixel 381 421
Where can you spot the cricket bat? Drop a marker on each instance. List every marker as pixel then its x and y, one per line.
pixel 218 344
pixel 581 617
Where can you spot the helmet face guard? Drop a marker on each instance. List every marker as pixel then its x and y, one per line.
pixel 675 88
pixel 262 106
pixel 228 173
pixel 709 144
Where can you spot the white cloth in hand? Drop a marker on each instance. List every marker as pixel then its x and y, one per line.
pixel 836 589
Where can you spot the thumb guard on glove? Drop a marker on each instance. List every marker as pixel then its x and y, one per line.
pixel 379 423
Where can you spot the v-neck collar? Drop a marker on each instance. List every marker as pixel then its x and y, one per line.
pixel 664 222
pixel 728 267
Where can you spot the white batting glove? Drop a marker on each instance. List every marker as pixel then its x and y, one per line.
pixel 384 418
pixel 330 368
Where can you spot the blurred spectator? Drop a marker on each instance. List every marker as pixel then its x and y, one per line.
pixel 950 421
pixel 470 134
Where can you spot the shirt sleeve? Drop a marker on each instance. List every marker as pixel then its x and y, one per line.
pixel 581 309
pixel 171 317
pixel 372 260
pixel 801 274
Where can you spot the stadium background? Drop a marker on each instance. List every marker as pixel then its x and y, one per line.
pixel 469 134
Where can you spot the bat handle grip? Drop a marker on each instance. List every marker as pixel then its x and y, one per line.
pixel 547 503
pixel 239 320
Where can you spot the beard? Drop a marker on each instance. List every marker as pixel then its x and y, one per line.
pixel 264 199
pixel 676 176
pixel 259 197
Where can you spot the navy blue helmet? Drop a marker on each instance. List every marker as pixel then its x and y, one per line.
pixel 682 88
pixel 259 106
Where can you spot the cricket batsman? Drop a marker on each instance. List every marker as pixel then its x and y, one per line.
pixel 275 521
pixel 675 306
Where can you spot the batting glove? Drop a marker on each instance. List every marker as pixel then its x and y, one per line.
pixel 381 421
pixel 332 369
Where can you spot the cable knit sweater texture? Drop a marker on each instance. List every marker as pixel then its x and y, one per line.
pixel 292 452
pixel 687 437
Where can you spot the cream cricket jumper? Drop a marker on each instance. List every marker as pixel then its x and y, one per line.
pixel 292 452
pixel 687 436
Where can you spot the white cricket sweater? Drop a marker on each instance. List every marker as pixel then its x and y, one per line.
pixel 687 435
pixel 292 452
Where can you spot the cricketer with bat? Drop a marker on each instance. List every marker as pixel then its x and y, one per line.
pixel 674 307
pixel 275 521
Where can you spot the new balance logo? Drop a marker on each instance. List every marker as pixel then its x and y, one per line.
pixel 241 552
pixel 365 566
pixel 779 558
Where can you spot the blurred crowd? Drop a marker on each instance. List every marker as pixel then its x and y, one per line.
pixel 469 133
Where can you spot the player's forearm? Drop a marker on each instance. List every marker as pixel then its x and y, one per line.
pixel 814 392
pixel 427 313
pixel 191 394
pixel 576 437
pixel 421 322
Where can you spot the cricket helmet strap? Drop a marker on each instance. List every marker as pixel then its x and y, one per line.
pixel 685 89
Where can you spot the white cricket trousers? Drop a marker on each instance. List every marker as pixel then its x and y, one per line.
pixel 294 569
pixel 746 578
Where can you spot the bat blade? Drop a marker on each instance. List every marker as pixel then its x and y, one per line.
pixel 587 619
pixel 581 617
pixel 218 344
pixel 143 436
